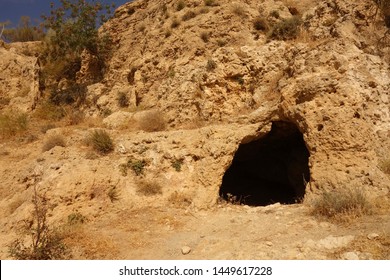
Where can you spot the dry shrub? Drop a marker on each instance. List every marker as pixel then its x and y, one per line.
pixel 175 23
pixel 210 3
pixel 149 188
pixel 74 117
pixel 211 65
pixel 152 121
pixel 101 141
pixel 342 204
pixel 188 15
pixel 261 24
pixel 53 141
pixel 113 194
pixel 179 200
pixel 76 218
pixel 286 29
pixel 46 243
pixel 49 111
pixel 205 36
pixel 12 123
pixel 238 10
pixel 180 5
pixel 123 99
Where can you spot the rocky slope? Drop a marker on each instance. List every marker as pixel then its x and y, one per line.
pixel 201 82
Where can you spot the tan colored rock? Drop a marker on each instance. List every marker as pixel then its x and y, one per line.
pixel 19 76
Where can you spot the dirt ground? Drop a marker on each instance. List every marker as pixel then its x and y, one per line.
pixel 230 232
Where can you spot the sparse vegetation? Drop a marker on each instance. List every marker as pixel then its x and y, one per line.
pixel 49 111
pixel 210 3
pixel 221 43
pixel 12 123
pixel 113 194
pixel 46 243
pixel 24 32
pixel 137 166
pixel 180 199
pixel 152 121
pixel 238 10
pixel 205 36
pixel 73 30
pixel 211 65
pixel 188 15
pixel 261 24
pixel 338 204
pixel 180 5
pixel 286 29
pixel 149 188
pixel 123 99
pixel 101 141
pixel 76 218
pixel 53 141
pixel 123 169
pixel 167 33
pixel 177 163
pixel 73 93
pixel 274 14
pixel 175 23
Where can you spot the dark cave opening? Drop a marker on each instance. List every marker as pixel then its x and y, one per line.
pixel 271 169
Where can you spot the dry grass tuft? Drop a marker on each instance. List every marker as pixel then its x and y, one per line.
pixel 49 111
pixel 53 141
pixel 179 200
pixel 152 121
pixel 342 205
pixel 12 124
pixel 101 141
pixel 148 188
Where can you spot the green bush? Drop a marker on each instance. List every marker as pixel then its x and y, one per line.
pixel 101 141
pixel 137 166
pixel 177 164
pixel 73 28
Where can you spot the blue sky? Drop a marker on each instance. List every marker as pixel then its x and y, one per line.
pixel 12 10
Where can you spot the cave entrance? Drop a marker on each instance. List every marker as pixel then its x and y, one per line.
pixel 271 169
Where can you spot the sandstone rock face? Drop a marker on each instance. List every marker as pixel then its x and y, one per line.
pixel 218 83
pixel 331 82
pixel 19 76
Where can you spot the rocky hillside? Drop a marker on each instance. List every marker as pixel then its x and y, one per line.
pixel 254 101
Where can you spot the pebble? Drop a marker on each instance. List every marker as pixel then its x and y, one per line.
pixel 185 250
pixel 269 243
pixel 372 236
pixel 350 256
